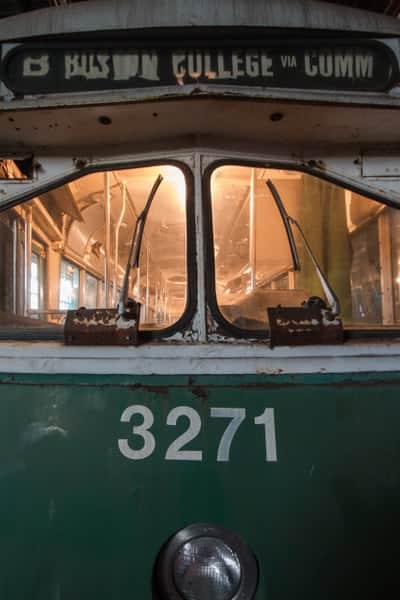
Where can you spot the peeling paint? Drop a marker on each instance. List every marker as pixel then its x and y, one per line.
pixel 189 336
pixel 276 371
pixel 37 431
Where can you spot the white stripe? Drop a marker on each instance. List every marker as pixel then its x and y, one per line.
pixel 200 359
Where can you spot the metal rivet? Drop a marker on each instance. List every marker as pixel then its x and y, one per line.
pixel 104 120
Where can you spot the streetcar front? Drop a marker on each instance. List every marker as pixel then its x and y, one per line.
pixel 199 302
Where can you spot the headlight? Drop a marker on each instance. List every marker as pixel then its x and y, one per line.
pixel 206 567
pixel 203 562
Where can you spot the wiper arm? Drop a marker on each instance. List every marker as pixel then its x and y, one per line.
pixel 286 221
pixel 136 243
pixel 333 300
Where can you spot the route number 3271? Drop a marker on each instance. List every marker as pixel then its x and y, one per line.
pixel 146 442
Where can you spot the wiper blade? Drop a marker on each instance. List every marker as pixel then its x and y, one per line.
pixel 136 243
pixel 333 300
pixel 286 221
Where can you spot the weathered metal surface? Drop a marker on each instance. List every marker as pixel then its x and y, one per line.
pixel 302 325
pixel 13 7
pixel 85 327
pixel 200 359
pixel 78 519
pixel 345 166
pixel 133 14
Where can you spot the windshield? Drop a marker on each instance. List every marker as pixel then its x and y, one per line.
pixel 69 248
pixel 355 241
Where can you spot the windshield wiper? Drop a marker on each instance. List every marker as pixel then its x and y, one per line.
pixel 112 326
pixel 333 300
pixel 136 243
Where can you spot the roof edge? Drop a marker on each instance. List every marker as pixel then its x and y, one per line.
pixel 115 15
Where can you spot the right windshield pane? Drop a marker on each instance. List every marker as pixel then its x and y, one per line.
pixel 355 240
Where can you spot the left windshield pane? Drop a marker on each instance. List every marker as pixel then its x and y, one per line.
pixel 69 248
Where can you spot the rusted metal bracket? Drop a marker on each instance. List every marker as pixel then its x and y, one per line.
pixel 103 327
pixel 304 325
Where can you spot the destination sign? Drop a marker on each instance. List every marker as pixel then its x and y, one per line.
pixel 336 66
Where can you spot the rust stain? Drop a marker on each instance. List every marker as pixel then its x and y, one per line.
pixel 200 392
pixel 316 164
pixel 160 390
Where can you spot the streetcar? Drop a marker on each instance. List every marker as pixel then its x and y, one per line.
pixel 199 301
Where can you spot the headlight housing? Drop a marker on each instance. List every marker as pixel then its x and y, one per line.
pixel 205 561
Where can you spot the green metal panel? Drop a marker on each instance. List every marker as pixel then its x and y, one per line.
pixel 80 520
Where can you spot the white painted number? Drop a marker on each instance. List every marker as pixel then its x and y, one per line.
pixel 176 449
pixel 149 443
pixel 237 416
pixel 175 452
pixel 268 420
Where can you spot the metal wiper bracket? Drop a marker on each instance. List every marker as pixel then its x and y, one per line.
pixel 104 326
pixel 112 326
pixel 303 325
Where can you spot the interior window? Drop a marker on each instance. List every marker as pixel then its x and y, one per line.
pixel 355 240
pixel 91 290
pixel 69 285
pixel 35 281
pixel 69 247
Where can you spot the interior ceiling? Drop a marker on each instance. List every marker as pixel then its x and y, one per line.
pixel 13 7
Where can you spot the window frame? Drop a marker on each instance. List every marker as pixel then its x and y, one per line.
pixel 27 334
pixel 71 263
pixel 221 325
pixel 41 279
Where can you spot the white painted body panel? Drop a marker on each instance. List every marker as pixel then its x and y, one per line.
pixel 199 359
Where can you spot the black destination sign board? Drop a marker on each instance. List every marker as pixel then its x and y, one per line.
pixel 330 65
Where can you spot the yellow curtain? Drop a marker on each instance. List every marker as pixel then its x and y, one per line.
pixel 322 216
